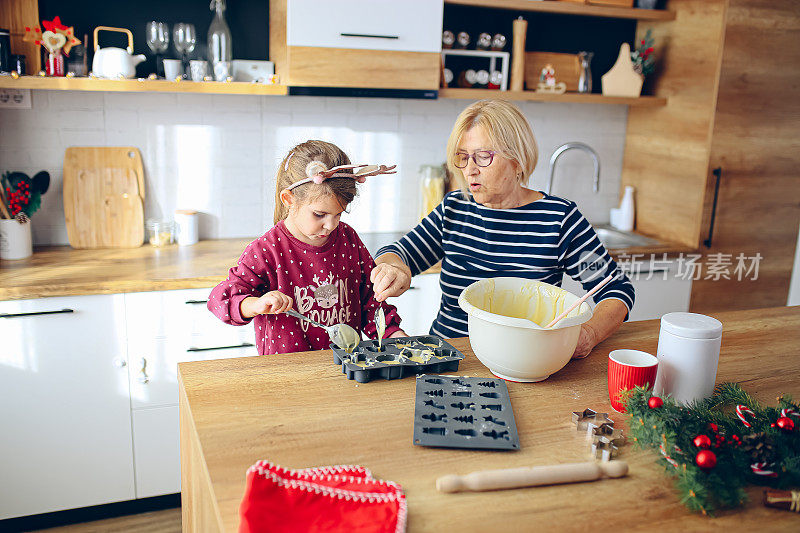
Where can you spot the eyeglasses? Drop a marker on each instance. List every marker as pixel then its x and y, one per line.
pixel 482 158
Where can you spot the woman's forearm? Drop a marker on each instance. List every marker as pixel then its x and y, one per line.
pixel 607 318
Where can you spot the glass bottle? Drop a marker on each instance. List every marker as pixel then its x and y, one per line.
pixel 585 80
pixel 220 51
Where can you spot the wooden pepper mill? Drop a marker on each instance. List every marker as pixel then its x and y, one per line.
pixel 518 55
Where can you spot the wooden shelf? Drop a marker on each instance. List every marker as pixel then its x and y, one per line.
pixel 135 85
pixel 571 8
pixel 576 98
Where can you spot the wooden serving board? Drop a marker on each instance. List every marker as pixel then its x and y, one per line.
pixel 104 197
pixel 566 66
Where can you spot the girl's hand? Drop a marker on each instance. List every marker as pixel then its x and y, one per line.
pixel 398 333
pixel 272 303
pixel 389 280
pixel 587 340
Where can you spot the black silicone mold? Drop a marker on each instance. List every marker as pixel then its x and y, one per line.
pixel 397 358
pixel 462 412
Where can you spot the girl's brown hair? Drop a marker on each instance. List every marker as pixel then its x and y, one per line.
pixel 293 169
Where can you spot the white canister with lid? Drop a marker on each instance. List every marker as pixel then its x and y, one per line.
pixel 188 232
pixel 688 354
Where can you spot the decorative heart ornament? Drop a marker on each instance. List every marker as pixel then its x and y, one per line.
pixel 53 41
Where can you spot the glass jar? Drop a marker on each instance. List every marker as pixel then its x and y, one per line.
pixel 432 187
pixel 161 232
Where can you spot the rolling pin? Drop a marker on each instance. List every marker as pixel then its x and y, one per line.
pixel 531 476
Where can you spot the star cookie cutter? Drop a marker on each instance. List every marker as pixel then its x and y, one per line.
pixel 583 419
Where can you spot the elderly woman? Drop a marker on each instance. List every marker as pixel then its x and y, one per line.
pixel 502 228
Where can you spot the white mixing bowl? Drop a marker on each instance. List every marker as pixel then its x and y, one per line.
pixel 504 317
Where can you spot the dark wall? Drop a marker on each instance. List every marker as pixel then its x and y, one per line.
pixel 247 19
pixel 548 32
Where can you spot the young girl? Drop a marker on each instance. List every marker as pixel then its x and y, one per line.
pixel 309 259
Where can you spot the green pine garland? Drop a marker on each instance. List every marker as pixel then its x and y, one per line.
pixel 673 427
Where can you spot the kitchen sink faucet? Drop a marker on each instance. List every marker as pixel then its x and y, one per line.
pixel 569 146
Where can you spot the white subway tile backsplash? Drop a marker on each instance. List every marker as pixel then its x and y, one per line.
pixel 219 153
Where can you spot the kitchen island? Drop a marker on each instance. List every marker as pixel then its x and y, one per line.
pixel 299 411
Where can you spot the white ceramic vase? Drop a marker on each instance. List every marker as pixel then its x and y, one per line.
pixel 15 240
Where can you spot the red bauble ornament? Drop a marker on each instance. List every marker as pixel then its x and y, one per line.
pixel 655 402
pixel 706 459
pixel 713 427
pixel 785 423
pixel 702 441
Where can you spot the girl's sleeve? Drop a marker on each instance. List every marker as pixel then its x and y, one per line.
pixel 250 277
pixel 587 261
pixel 421 248
pixel 369 305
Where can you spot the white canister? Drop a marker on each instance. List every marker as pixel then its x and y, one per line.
pixel 15 239
pixel 187 225
pixel 688 354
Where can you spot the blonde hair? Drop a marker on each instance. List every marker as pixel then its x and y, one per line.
pixel 293 169
pixel 507 129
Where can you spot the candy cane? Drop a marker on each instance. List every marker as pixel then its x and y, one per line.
pixel 759 469
pixel 790 412
pixel 669 459
pixel 740 409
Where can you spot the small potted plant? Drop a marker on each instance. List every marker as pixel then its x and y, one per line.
pixel 20 197
pixel 643 59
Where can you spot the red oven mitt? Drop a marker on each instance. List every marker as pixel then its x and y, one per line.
pixel 334 498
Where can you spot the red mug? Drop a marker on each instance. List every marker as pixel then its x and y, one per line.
pixel 628 369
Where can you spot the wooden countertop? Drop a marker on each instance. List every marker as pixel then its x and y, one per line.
pixel 300 411
pixel 66 271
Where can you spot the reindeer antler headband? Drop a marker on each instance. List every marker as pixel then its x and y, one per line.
pixel 318 172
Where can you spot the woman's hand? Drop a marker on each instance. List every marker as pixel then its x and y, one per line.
pixel 587 340
pixel 272 303
pixel 390 277
pixel 398 333
pixel 606 319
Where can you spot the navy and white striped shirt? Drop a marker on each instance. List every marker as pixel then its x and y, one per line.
pixel 540 241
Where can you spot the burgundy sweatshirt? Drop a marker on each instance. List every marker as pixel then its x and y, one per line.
pixel 328 283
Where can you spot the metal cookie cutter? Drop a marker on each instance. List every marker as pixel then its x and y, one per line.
pixel 582 419
pixel 603 448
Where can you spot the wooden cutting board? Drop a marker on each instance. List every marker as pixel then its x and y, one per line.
pixel 104 196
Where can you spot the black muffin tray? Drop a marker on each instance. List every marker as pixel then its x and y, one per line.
pixel 397 358
pixel 462 412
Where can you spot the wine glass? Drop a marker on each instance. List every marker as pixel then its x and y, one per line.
pixel 158 42
pixel 185 39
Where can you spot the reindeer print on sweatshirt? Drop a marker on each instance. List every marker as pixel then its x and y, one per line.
pixel 328 283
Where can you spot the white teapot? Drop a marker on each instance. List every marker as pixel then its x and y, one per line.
pixel 114 62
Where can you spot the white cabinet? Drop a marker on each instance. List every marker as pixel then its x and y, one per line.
pixel 166 328
pixel 65 437
pixel 659 290
pixel 419 305
pixel 156 447
pixel 408 26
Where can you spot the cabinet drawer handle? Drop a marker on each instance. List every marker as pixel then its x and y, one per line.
pixel 369 35
pixel 243 345
pixel 34 313
pixel 196 302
